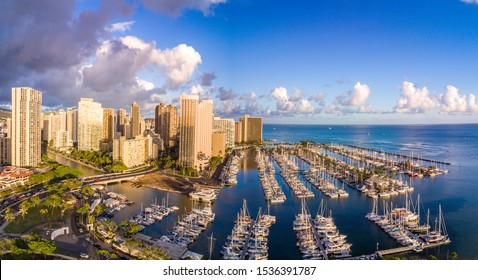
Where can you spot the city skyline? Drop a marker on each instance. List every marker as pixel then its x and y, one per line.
pixel 313 62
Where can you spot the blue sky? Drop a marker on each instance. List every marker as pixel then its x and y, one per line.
pixel 323 61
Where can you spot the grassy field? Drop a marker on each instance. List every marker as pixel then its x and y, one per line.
pixel 32 219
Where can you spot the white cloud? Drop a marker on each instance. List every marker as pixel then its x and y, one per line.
pixel 317 97
pixel 304 107
pixel 145 84
pixel 297 96
pixel 356 97
pixel 452 102
pixel 470 1
pixel 120 26
pixel 415 100
pixel 293 105
pixel 178 63
pixel 175 7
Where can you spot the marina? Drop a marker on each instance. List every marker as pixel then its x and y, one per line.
pixel 348 214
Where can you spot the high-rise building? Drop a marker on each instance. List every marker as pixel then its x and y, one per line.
pixel 90 125
pixel 5 137
pixel 53 122
pixel 187 126
pixel 218 143
pixel 251 128
pixel 5 150
pixel 228 127
pixel 120 120
pixel 238 132
pixel 195 141
pixel 204 132
pixel 142 126
pixel 132 152
pixel 166 123
pixel 135 114
pixel 26 126
pixel 72 123
pixel 108 124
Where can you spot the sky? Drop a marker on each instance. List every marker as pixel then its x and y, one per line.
pixel 309 61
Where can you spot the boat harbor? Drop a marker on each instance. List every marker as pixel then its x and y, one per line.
pixel 249 237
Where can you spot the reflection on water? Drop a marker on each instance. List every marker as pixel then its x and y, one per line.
pixel 87 171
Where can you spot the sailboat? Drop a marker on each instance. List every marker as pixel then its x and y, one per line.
pixel 439 235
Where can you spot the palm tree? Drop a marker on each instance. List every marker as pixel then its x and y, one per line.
pixel 9 217
pixel 35 201
pixel 24 209
pixel 44 211
pixel 83 210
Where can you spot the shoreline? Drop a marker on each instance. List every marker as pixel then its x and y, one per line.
pixel 77 161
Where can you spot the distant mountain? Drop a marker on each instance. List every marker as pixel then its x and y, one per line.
pixel 4 113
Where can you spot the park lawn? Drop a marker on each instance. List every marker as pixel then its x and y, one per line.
pixel 32 219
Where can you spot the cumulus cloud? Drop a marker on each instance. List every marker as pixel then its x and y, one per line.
pixel 415 100
pixel 207 78
pixel 355 97
pixel 286 105
pixel 318 97
pixel 119 60
pixel 452 102
pixel 49 36
pixel 225 94
pixel 297 96
pixel 120 26
pixel 304 107
pixel 176 7
pixel 177 63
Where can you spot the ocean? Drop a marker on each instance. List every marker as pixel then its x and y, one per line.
pixel 456 192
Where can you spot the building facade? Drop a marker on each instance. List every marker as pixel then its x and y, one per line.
pixel 120 120
pixel 187 127
pixel 26 127
pixel 90 125
pixel 72 123
pixel 135 115
pixel 238 132
pixel 251 128
pixel 132 152
pixel 108 125
pixel 218 143
pixel 166 124
pixel 228 127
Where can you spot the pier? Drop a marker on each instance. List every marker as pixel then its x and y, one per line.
pixel 397 154
pixel 404 249
pixel 317 239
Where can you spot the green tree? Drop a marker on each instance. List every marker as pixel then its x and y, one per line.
pixel 41 246
pixel 87 191
pixel 431 257
pixel 34 201
pixel 104 254
pixel 5 244
pixel 64 206
pixel 119 166
pixel 24 206
pixel 83 210
pixel 9 217
pixel 43 212
pixel 53 201
pixel 129 228
pixel 100 208
pixel 454 256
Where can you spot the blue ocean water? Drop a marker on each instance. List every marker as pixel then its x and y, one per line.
pixel 456 192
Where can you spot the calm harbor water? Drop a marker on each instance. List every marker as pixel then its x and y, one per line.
pixel 456 191
pixel 87 171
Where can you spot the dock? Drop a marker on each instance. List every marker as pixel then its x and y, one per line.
pixel 404 249
pixel 397 155
pixel 317 239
